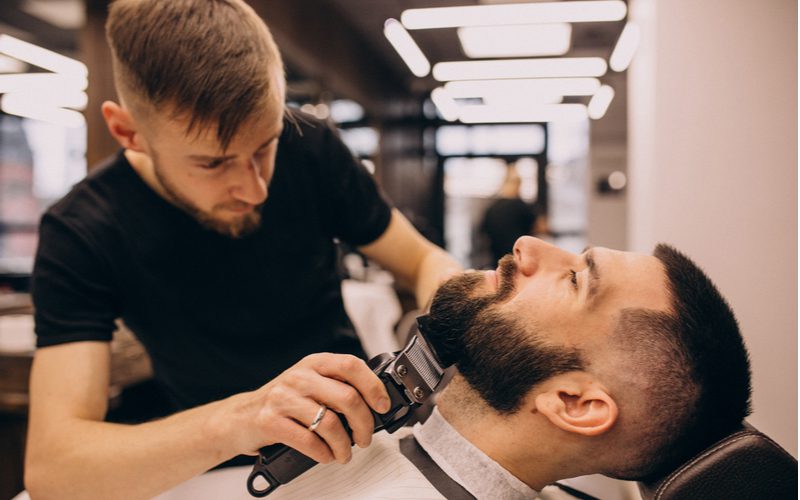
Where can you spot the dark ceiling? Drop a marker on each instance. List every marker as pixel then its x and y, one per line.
pixel 334 46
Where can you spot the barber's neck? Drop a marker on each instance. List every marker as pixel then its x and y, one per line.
pixel 145 169
pixel 522 443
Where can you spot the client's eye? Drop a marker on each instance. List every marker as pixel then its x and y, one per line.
pixel 573 278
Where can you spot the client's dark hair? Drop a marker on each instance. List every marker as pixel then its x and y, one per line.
pixel 695 368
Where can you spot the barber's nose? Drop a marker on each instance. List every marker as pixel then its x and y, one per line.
pixel 532 254
pixel 250 184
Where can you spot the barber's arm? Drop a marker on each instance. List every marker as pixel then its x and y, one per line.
pixel 72 453
pixel 417 263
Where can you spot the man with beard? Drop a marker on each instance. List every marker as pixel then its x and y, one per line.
pixel 566 365
pixel 212 235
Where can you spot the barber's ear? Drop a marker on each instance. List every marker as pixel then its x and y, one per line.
pixel 578 403
pixel 122 126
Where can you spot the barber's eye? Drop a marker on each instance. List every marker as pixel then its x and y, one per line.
pixel 212 165
pixel 573 278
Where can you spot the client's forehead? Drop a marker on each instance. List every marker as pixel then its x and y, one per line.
pixel 633 280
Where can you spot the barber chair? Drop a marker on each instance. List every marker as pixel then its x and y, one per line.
pixel 746 464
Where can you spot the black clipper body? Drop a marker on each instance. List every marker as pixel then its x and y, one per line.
pixel 410 377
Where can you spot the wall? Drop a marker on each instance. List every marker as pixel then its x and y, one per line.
pixel 713 169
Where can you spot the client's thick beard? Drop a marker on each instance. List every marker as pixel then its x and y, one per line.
pixel 501 358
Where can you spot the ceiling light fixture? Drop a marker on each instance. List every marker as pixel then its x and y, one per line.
pixel 41 82
pixel 530 13
pixel 626 47
pixel 11 65
pixel 445 104
pixel 520 68
pixel 24 107
pixel 41 57
pixel 516 41
pixel 407 48
pixel 519 114
pixel 524 88
pixel 600 102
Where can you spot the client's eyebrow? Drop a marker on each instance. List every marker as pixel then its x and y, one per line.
pixel 594 275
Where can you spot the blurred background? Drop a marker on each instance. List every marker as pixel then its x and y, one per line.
pixel 618 123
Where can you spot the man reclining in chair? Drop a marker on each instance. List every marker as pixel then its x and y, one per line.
pixel 606 362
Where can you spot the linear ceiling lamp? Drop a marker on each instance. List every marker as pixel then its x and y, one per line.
pixel 599 103
pixel 530 13
pixel 41 57
pixel 407 48
pixel 530 87
pixel 520 68
pixel 21 105
pixel 527 40
pixel 522 114
pixel 626 47
pixel 445 104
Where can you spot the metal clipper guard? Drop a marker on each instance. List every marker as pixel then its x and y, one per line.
pixel 410 377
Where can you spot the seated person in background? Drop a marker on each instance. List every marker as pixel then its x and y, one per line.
pixel 607 362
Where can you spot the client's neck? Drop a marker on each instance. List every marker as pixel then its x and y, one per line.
pixel 521 443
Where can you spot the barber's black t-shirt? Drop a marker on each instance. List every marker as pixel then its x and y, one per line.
pixel 217 315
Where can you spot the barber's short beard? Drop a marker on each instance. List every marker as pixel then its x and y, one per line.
pixel 501 358
pixel 235 228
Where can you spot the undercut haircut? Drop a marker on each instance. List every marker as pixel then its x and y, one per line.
pixel 695 370
pixel 213 61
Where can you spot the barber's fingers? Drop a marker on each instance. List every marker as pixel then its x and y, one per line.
pixel 333 433
pixel 295 435
pixel 354 372
pixel 345 399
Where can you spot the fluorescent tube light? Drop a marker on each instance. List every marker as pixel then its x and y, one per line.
pixel 520 68
pixel 445 104
pixel 407 48
pixel 520 114
pixel 10 65
pixel 529 13
pixel 626 47
pixel 529 88
pixel 63 98
pixel 28 109
pixel 41 82
pixel 600 102
pixel 516 41
pixel 41 57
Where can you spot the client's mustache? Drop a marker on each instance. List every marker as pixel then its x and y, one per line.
pixel 457 303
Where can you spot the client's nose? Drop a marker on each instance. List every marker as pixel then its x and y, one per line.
pixel 526 250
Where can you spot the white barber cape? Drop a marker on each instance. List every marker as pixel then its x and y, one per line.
pixel 383 472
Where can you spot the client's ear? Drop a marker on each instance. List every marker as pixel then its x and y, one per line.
pixel 577 402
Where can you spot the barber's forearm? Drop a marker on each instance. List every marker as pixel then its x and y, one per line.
pixel 435 268
pixel 88 459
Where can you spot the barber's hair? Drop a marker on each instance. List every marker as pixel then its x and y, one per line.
pixel 213 61
pixel 695 371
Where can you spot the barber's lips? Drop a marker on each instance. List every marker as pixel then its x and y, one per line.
pixel 240 209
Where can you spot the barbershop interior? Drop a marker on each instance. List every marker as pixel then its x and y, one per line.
pixel 580 133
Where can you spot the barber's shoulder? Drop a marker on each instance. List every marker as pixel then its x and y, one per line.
pixel 90 201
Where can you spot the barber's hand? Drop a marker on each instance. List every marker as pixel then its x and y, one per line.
pixel 282 410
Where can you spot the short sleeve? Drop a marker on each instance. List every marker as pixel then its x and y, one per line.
pixel 353 207
pixel 73 296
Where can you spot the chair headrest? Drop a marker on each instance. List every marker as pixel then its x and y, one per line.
pixel 745 464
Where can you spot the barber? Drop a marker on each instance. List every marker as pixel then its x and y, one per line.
pixel 211 234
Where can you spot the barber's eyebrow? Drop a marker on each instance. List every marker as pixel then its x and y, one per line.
pixel 220 159
pixel 594 275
